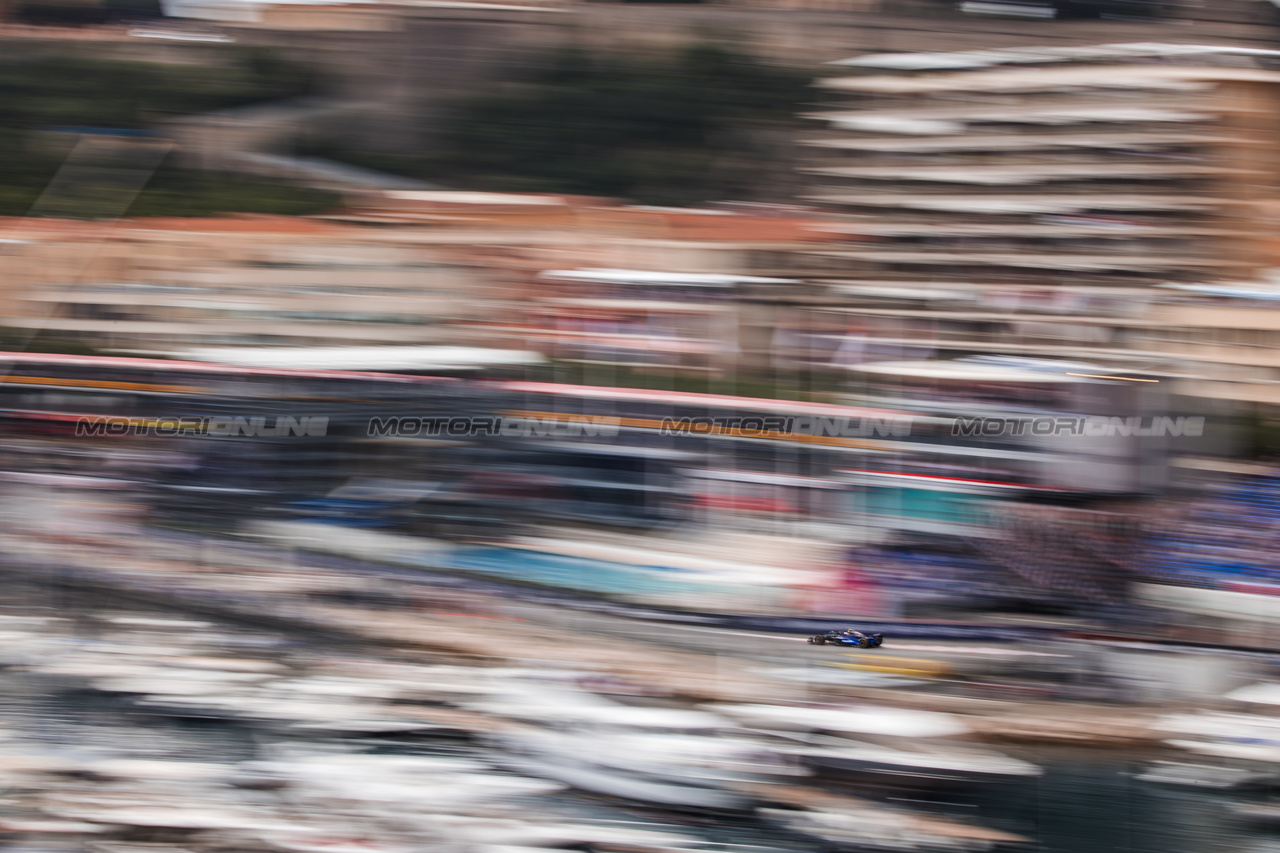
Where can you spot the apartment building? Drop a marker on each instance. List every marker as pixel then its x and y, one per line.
pixel 413 268
pixel 167 285
pixel 1086 203
pixel 592 281
pixel 691 322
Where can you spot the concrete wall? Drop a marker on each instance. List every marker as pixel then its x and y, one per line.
pixel 1165 675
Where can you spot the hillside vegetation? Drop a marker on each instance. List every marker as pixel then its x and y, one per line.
pixel 704 123
pixel 66 91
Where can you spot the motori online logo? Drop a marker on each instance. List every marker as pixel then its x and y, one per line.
pixel 223 427
pixel 769 426
pixel 568 426
pixel 1092 426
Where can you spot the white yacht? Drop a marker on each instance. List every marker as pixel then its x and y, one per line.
pixel 884 830
pixel 882 744
pixel 1241 741
pixel 670 757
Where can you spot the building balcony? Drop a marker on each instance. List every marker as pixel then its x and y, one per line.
pixel 1043 261
pixel 192 332
pixel 1018 144
pixel 1016 175
pixel 556 305
pixel 1080 114
pixel 542 338
pixel 1044 204
pixel 1053 229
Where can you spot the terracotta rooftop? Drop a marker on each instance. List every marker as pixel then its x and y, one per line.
pixel 716 226
pixel 241 223
pixel 36 227
pixel 584 215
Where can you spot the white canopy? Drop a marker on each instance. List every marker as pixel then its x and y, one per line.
pixel 1237 292
pixel 365 358
pixel 965 59
pixel 649 277
pixel 1259 694
pixel 966 370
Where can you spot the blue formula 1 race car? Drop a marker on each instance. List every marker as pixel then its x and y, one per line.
pixel 847 638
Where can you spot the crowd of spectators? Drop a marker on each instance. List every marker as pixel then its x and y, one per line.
pixel 1050 554
pixel 925 577
pixel 1059 553
pixel 1227 541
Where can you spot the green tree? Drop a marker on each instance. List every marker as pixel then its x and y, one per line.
pixel 685 128
pixel 69 91
pixel 678 131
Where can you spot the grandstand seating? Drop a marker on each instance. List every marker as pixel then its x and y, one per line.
pixel 1219 542
pixel 1228 540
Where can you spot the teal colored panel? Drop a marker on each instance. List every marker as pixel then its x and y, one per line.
pixel 925 504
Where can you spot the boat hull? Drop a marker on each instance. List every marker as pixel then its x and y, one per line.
pixel 914 775
pixel 613 783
